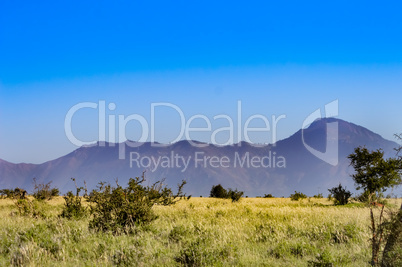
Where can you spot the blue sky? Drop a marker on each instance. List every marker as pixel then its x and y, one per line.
pixel 286 58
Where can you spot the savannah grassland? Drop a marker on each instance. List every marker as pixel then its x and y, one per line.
pixel 196 232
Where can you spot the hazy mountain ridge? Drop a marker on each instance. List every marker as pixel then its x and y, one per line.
pixel 304 172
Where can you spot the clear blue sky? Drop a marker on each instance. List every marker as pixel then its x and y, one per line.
pixel 283 57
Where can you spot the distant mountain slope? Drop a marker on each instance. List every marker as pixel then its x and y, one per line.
pixel 303 172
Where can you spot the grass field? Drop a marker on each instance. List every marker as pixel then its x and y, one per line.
pixel 196 232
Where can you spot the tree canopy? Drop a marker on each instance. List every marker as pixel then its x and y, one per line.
pixel 373 173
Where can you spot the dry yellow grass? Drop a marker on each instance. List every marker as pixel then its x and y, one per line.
pixel 198 232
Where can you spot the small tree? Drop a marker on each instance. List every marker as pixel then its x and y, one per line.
pixel 235 195
pixel 218 191
pixel 341 195
pixel 118 209
pixel 73 207
pixel 44 191
pixel 297 196
pixel 375 175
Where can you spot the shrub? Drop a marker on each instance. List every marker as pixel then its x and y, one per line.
pixel 235 195
pixel 34 209
pixel 268 196
pixel 119 209
pixel 73 207
pixel 297 196
pixel 44 192
pixel 218 191
pixel 6 193
pixel 20 193
pixel 25 206
pixel 340 194
pixel 17 193
pixel 318 196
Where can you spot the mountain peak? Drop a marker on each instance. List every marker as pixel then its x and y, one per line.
pixel 200 165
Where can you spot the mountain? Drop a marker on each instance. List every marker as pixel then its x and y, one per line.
pixel 286 166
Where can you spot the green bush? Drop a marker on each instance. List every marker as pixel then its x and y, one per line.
pixel 268 196
pixel 341 195
pixel 235 195
pixel 119 210
pixel 24 206
pixel 297 196
pixel 6 193
pixel 73 207
pixel 318 196
pixel 17 193
pixel 44 191
pixel 218 191
pixel 34 209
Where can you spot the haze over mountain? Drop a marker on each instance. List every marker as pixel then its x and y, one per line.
pixel 286 166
